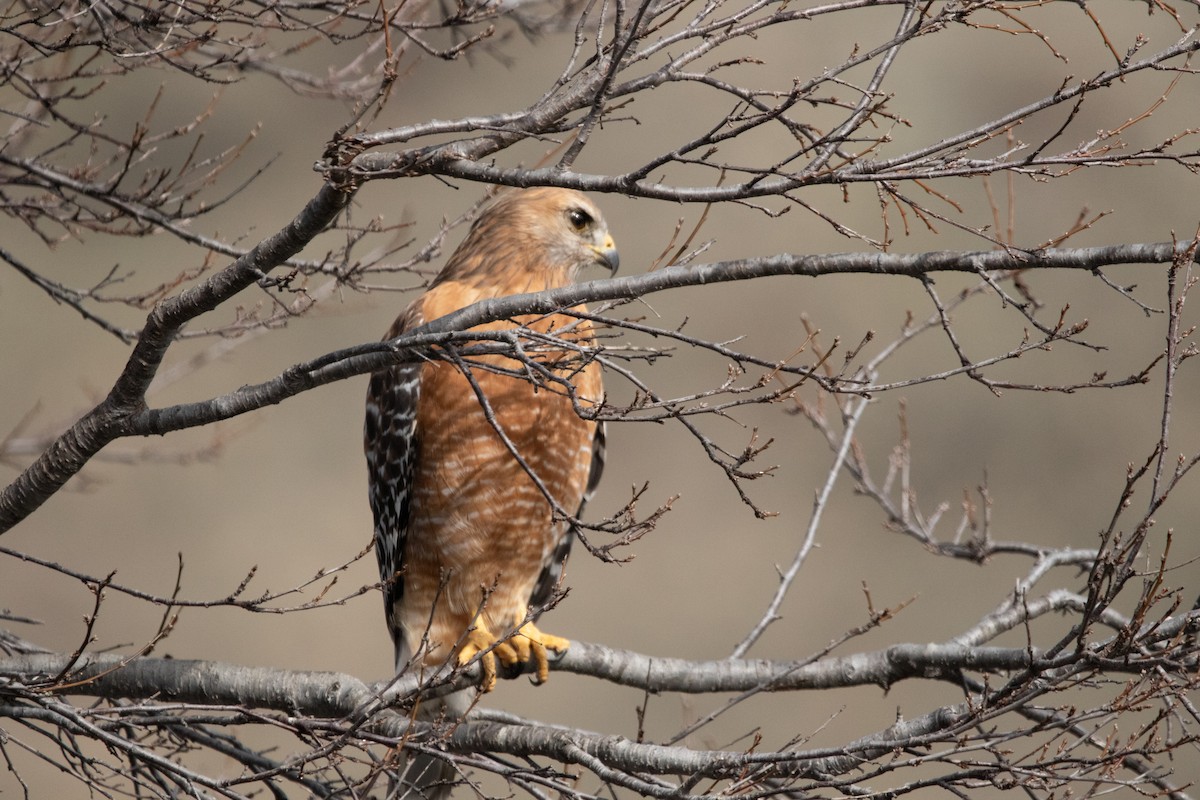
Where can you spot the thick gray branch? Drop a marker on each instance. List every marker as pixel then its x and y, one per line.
pixel 326 694
pixel 346 363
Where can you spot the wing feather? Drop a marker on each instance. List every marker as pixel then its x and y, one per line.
pixel 552 570
pixel 391 443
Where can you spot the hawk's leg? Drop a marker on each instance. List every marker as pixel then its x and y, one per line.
pixel 525 643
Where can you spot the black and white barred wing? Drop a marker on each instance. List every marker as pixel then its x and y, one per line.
pixel 390 443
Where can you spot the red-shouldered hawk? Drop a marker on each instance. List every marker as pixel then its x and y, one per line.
pixel 466 538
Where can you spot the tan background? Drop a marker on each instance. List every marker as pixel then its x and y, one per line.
pixel 285 489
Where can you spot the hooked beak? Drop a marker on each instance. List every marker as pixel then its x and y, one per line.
pixel 607 254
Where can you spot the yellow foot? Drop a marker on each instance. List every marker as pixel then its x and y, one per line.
pixel 528 642
pixel 479 641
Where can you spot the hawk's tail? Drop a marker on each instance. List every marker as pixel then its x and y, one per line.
pixel 424 776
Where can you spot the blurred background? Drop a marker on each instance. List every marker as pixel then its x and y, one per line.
pixel 283 490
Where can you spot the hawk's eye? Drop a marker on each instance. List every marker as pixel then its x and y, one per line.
pixel 579 218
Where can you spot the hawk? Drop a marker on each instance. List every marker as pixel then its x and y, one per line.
pixel 474 463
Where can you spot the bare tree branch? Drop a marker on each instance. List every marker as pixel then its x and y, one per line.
pixel 141 212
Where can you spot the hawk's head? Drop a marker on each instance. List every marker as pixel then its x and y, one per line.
pixel 535 235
